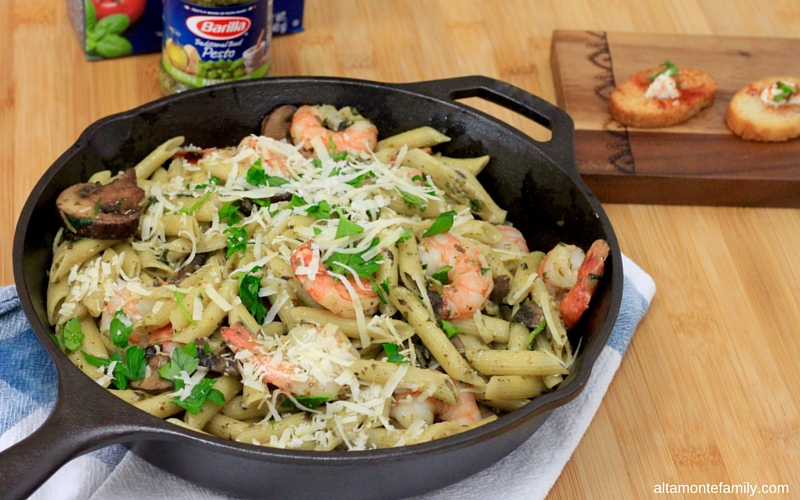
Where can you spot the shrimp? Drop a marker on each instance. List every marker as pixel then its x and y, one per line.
pixel 329 292
pixel 470 281
pixel 134 308
pixel 559 268
pixel 324 122
pixel 577 299
pixel 512 239
pixel 304 362
pixel 411 406
pixel 260 145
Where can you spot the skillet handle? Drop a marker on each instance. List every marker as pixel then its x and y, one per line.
pixel 73 428
pixel 560 149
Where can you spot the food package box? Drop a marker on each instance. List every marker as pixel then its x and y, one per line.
pixel 118 28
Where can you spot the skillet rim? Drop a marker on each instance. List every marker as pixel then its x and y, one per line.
pixel 154 428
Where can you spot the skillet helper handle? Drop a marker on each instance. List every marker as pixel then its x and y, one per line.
pixel 561 148
pixel 69 432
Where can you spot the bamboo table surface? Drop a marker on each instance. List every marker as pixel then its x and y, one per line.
pixel 709 390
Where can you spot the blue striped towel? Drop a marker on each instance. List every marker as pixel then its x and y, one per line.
pixel 28 391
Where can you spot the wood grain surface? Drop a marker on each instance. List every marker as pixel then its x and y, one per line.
pixel 709 390
pixel 698 162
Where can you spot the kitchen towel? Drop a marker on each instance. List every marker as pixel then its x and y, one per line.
pixel 28 391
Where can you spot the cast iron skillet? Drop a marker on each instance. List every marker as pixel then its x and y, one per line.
pixel 536 181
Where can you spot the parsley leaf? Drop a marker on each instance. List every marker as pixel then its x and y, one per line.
pixel 230 212
pixel 668 67
pixel 298 201
pixel 449 328
pixel 407 233
pixel 355 261
pixel 120 329
pixel 237 241
pixel 311 402
pixel 411 199
pixel 536 331
pixel 321 211
pixel 72 335
pixel 785 93
pixel 201 393
pixel 340 156
pixel 392 354
pixel 382 289
pixel 179 299
pixel 357 181
pixel 441 275
pixel 442 224
pixel 197 205
pixel 248 292
pixel 132 368
pixel 347 228
pixel 183 359
pixel 317 163
pixel 214 180
pixel 258 177
pixel 485 270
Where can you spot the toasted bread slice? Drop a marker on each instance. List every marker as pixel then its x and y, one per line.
pixel 750 118
pixel 629 105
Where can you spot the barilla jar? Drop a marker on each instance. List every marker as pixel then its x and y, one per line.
pixel 214 41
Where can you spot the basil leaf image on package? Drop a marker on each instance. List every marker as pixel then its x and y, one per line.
pixel 214 41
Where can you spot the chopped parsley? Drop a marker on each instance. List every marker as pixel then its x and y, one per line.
pixel 441 275
pixel 317 163
pixel 785 93
pixel 411 199
pixel 536 331
pixel 392 354
pixel 322 210
pixel 346 228
pixel 248 292
pixel 358 180
pixel 183 360
pixel 485 270
pixel 256 176
pixel 230 212
pixel 310 402
pixel 449 328
pixel 339 156
pixel 179 299
pixel 120 329
pixel 197 205
pixel 382 289
pixel 237 241
pixel 131 368
pixel 298 201
pixel 442 224
pixel 407 234
pixel 668 67
pixel 71 334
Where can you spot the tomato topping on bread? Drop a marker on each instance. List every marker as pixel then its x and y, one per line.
pixel 766 110
pixel 662 97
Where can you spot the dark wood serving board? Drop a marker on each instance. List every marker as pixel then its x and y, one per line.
pixel 699 162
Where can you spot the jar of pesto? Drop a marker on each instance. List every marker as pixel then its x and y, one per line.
pixel 214 41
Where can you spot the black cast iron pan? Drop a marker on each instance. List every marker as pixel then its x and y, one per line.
pixel 536 181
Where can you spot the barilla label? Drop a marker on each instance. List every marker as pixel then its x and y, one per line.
pixel 208 45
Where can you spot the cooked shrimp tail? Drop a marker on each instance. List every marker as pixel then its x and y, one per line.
pixel 577 299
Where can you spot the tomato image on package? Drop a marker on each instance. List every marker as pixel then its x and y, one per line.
pixel 204 45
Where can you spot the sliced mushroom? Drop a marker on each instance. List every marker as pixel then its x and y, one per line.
pixel 191 267
pixel 500 290
pixel 155 383
pixel 215 360
pixel 276 125
pixel 106 212
pixel 529 314
pixel 436 301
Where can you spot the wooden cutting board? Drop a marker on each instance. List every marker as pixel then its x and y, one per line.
pixel 699 162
